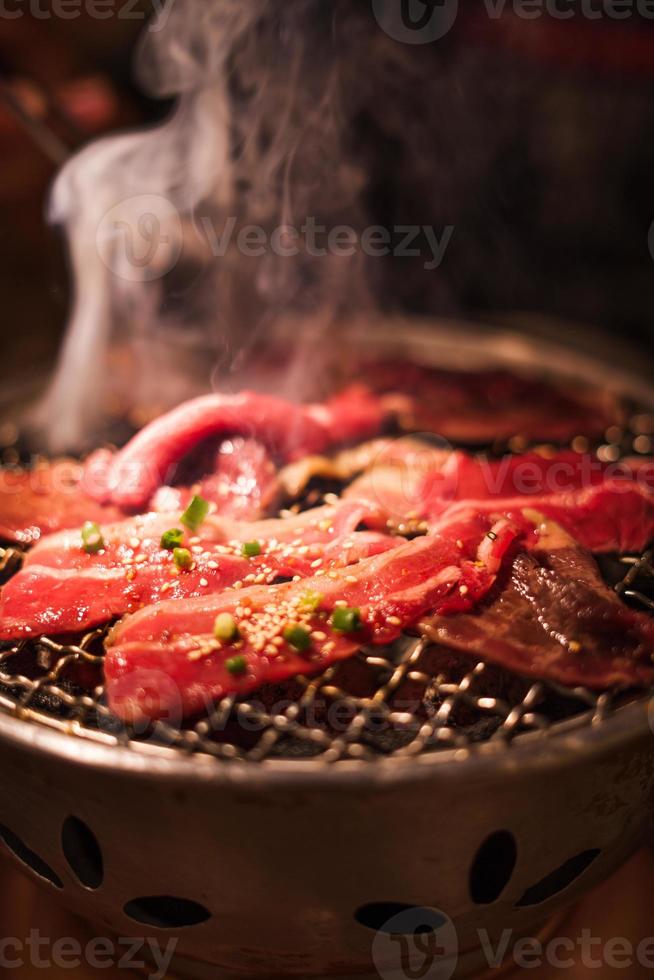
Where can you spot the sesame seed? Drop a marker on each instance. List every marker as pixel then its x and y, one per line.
pixel 351 579
pixel 204 583
pixel 395 620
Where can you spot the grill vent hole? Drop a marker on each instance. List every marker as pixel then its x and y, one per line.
pixel 27 857
pixel 82 852
pixel 493 867
pixel 376 916
pixel 555 882
pixel 166 912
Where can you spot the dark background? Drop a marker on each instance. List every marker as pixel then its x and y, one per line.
pixel 537 142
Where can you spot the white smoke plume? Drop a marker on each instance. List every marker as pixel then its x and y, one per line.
pixel 266 92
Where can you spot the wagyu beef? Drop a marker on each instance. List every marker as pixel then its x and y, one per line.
pixel 492 557
pixel 241 481
pixel 146 475
pixel 44 499
pixel 62 588
pixel 552 617
pixel 129 477
pixel 607 507
pixel 175 658
pixel 480 407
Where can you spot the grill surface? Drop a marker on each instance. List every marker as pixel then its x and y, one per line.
pixel 401 700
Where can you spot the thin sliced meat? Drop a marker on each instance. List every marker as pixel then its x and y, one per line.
pixel 166 662
pixel 141 535
pixel 405 477
pixel 42 600
pixel 607 507
pixel 51 496
pixel 535 474
pixel 243 483
pixel 479 407
pixel 62 589
pixel 129 477
pixel 45 499
pixel 604 519
pixel 555 619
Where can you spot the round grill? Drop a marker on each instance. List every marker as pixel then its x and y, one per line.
pixel 405 699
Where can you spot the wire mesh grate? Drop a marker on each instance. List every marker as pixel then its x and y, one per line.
pixel 403 700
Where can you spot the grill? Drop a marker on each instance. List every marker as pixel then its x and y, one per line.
pixel 277 837
pixel 406 707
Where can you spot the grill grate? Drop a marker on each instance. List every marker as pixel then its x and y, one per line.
pixel 403 700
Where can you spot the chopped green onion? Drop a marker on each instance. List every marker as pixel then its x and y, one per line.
pixel 310 600
pixel 236 665
pixel 195 514
pixel 225 627
pixel 251 549
pixel 172 539
pixel 182 557
pixel 297 636
pixel 346 620
pixel 92 540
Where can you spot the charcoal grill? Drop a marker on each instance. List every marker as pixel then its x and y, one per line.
pixel 273 842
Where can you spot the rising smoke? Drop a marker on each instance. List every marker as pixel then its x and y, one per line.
pixel 268 97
